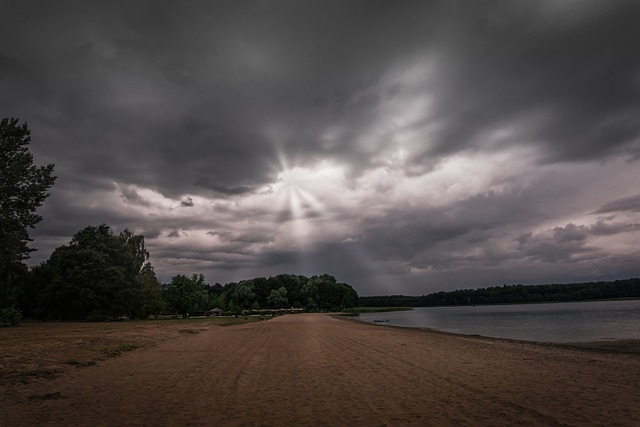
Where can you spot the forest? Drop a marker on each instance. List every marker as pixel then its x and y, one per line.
pixel 102 275
pixel 512 294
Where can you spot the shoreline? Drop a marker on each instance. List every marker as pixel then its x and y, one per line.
pixel 612 326
pixel 616 346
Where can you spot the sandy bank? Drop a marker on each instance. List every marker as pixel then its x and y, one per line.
pixel 318 370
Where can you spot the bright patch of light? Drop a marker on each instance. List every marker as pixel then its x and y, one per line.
pixel 316 179
pixel 306 196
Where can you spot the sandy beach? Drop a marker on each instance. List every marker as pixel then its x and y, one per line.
pixel 314 369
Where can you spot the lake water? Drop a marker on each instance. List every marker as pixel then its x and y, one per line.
pixel 549 322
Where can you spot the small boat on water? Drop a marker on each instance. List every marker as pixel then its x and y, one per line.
pixel 381 320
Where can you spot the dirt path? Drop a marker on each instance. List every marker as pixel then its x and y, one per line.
pixel 318 370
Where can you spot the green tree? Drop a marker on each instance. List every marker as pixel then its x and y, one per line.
pixel 234 308
pixel 150 292
pixel 136 252
pixel 332 295
pixel 310 294
pixel 293 284
pixel 94 276
pixel 261 289
pixel 242 295
pixel 216 301
pixel 278 298
pixel 23 188
pixel 184 292
pixel 10 316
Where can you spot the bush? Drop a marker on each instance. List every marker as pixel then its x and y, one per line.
pixel 10 316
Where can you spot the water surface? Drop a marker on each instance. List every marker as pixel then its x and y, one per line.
pixel 547 322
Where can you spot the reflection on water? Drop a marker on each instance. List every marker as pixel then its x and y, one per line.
pixel 550 322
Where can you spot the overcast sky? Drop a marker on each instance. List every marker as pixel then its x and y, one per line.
pixel 404 147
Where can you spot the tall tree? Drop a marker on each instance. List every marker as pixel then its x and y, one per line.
pixel 183 292
pixel 278 298
pixel 137 253
pixel 150 292
pixel 23 188
pixel 94 276
pixel 243 295
pixel 310 293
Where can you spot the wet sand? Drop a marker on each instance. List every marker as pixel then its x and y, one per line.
pixel 314 369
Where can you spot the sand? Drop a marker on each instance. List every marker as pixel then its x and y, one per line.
pixel 315 369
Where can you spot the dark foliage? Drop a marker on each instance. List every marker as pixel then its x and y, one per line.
pixel 316 293
pixel 95 276
pixel 183 293
pixel 10 316
pixel 628 288
pixel 23 188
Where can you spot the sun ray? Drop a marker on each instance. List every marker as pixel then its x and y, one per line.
pixel 305 202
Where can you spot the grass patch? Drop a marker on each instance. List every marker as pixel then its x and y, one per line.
pixel 231 320
pixel 25 377
pixel 197 321
pixel 80 364
pixel 122 348
pixel 42 373
pixel 191 331
pixel 47 396
pixel 38 351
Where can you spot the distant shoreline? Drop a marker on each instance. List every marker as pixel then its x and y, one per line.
pixel 514 294
pixel 407 308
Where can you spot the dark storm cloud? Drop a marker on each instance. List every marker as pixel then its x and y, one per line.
pixel 571 242
pixel 130 195
pixel 174 120
pixel 247 237
pixel 233 191
pixel 573 80
pixel 602 228
pixel 174 234
pixel 192 89
pixel 470 222
pixel 627 204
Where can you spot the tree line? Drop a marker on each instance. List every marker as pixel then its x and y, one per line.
pixel 315 293
pixel 103 275
pixel 100 274
pixel 512 294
